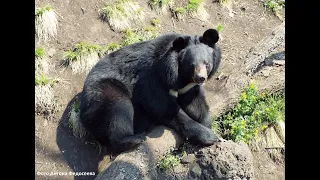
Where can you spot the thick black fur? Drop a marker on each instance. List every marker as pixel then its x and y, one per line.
pixel 129 89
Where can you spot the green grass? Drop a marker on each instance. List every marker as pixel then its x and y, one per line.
pixel 194 8
pixel 252 114
pixel 220 28
pixel 135 36
pixel 40 52
pixel 155 22
pixel 275 6
pixel 168 162
pixel 85 55
pixel 46 23
pixel 41 80
pixel 160 5
pixel 41 11
pixel 122 14
pixel 82 49
pixel 193 5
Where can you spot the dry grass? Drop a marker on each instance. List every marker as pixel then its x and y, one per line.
pixel 122 14
pixel 270 140
pixel 194 8
pixel 45 102
pixel 74 120
pixel 41 62
pixel 160 6
pixel 83 57
pixel 46 23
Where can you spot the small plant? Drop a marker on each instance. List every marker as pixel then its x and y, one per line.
pixel 40 52
pixel 194 8
pixel 275 6
pixel 46 23
pixel 112 47
pixel 160 6
pixel 74 120
pixel 216 127
pixel 41 63
pixel 253 113
pixel 135 36
pixel 45 101
pixel 168 162
pixel 122 14
pixel 83 57
pixel 220 28
pixel 155 22
pixel 193 5
pixel 41 80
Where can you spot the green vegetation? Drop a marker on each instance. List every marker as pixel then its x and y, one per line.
pixel 155 22
pixel 41 11
pixel 40 52
pixel 220 28
pixel 85 55
pixel 253 113
pixel 46 23
pixel 160 5
pixel 147 33
pixel 41 79
pixel 275 6
pixel 82 49
pixel 193 5
pixel 121 14
pixel 168 162
pixel 194 8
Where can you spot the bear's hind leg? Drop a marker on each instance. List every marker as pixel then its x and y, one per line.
pixel 112 116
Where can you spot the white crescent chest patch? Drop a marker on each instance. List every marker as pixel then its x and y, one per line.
pixel 183 90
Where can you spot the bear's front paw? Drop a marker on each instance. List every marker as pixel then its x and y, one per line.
pixel 207 137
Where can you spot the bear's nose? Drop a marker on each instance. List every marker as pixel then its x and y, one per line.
pixel 201 79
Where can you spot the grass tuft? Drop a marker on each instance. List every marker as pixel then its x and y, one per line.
pixel 194 8
pixel 135 36
pixel 83 57
pixel 122 14
pixel 220 28
pixel 45 101
pixel 74 120
pixel 160 6
pixel 168 162
pixel 41 62
pixel 46 23
pixel 275 6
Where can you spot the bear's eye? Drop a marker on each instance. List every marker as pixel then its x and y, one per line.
pixel 207 64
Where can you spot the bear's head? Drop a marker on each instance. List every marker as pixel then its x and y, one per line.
pixel 199 56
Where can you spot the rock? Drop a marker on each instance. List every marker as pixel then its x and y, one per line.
pixel 195 171
pixel 224 160
pixel 190 158
pixel 51 52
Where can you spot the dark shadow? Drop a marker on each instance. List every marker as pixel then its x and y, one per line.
pixel 82 155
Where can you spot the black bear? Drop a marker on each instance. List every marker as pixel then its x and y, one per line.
pixel 159 81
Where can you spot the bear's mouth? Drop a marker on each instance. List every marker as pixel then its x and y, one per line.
pixel 200 83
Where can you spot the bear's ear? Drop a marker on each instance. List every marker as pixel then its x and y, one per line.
pixel 179 44
pixel 210 37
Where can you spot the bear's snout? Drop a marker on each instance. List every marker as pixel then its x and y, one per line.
pixel 200 74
